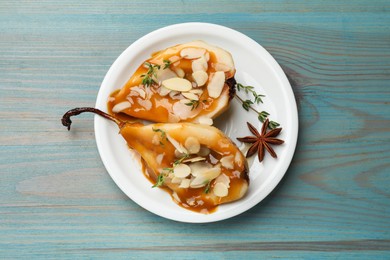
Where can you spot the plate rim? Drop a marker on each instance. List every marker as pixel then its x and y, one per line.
pixel 273 182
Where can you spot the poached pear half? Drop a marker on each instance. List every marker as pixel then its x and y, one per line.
pixel 191 82
pixel 198 164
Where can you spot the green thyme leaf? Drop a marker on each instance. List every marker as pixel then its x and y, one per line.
pixel 263 116
pixel 207 188
pixel 167 64
pixel 160 181
pixel 273 124
pixel 147 79
pixel 193 103
pixel 180 160
pixel 246 104
pixel 163 133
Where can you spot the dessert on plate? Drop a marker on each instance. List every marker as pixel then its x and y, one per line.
pixel 191 82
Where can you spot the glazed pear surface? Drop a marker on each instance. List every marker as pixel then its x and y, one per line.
pixel 198 164
pixel 191 82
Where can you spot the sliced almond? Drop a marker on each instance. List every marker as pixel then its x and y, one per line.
pixel 221 67
pixel 199 64
pixel 173 59
pixel 137 91
pixel 185 183
pixel 156 140
pixel 177 84
pixel 121 106
pixel 216 84
pixel 227 162
pixel 194 159
pixel 176 197
pixel 199 167
pixel 179 154
pixel 184 100
pixel 237 159
pixel 204 120
pixel 224 179
pixel 192 53
pixel 180 73
pixel 192 145
pixel 164 74
pixel 176 180
pixel 200 77
pixel 220 189
pixel 184 110
pixel 196 91
pixel 190 96
pixel 159 158
pixel 163 91
pixel 177 145
pixel 181 170
pixel 174 94
pixel 204 151
pixel 203 178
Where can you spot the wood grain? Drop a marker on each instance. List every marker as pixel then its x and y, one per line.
pixel 57 200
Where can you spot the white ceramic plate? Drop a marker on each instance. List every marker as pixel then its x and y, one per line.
pixel 255 67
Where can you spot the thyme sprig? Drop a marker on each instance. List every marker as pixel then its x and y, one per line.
pixel 247 104
pixel 160 181
pixel 250 89
pixel 166 171
pixel 167 64
pixel 163 134
pixel 148 78
pixel 207 188
pixel 193 103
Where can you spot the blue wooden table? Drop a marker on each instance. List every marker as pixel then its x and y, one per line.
pixel 58 201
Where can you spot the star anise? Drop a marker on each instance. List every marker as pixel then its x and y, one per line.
pixel 262 141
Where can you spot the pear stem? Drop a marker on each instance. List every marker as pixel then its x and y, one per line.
pixel 77 111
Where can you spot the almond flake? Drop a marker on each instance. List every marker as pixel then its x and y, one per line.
pixel 227 162
pixel 192 145
pixel 204 120
pixel 220 189
pixel 177 145
pixel 179 154
pixel 192 53
pixel 221 67
pixel 200 77
pixel 190 96
pixel 224 179
pixel 177 84
pixel 185 183
pixel 176 180
pixel 180 73
pixel 163 74
pixel 184 101
pixel 163 91
pixel 204 151
pixel 181 170
pixel 194 159
pixel 216 84
pixel 204 177
pixel 199 167
pixel 121 106
pixel 196 91
pixel 199 64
